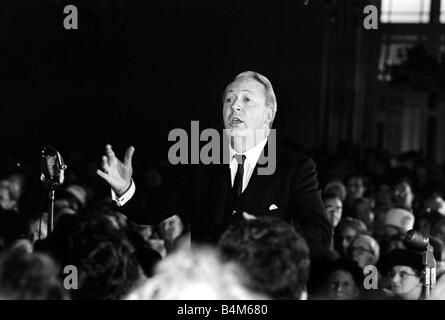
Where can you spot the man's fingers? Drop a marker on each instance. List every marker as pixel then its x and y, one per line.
pixel 128 156
pixel 109 153
pixel 105 164
pixel 103 175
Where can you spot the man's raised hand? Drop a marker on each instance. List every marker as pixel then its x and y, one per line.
pixel 115 172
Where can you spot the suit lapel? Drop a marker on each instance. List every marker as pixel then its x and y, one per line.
pixel 258 184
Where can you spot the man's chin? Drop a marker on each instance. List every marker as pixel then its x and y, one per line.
pixel 236 132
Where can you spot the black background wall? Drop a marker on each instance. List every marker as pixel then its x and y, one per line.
pixel 134 71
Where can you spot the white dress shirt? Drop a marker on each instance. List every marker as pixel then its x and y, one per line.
pixel 252 156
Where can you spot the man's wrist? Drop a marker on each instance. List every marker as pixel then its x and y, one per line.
pixel 124 190
pixel 125 197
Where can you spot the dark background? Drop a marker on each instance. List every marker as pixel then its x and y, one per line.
pixel 134 71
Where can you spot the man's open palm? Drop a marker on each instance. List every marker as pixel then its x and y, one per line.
pixel 115 172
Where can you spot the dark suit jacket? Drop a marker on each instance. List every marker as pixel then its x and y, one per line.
pixel 204 195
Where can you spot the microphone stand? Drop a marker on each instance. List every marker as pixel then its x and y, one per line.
pixel 430 270
pixel 52 177
pixel 51 198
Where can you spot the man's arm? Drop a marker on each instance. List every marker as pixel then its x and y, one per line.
pixel 137 206
pixel 308 209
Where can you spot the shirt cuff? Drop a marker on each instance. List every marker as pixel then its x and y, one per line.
pixel 120 201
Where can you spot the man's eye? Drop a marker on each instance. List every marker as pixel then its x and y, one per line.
pixel 247 99
pixel 229 100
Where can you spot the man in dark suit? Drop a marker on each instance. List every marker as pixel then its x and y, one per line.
pixel 217 195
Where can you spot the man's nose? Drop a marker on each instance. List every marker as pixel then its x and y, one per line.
pixel 338 287
pixel 396 278
pixel 237 106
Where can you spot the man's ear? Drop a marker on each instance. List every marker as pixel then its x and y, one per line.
pixel 269 116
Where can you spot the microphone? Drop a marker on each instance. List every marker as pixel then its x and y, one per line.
pixel 419 241
pixel 52 168
pixel 416 240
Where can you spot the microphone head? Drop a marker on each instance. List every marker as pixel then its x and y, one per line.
pixel 52 168
pixel 416 240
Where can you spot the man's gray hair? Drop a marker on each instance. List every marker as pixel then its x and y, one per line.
pixel 271 100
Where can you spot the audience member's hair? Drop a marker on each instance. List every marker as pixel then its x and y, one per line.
pixel 197 274
pixel 106 258
pixel 353 223
pixel 29 276
pixel 273 254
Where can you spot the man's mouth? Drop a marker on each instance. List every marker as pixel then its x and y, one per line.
pixel 236 121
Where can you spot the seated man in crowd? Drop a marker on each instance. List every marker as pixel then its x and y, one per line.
pixel 274 256
pixel 334 208
pixel 29 276
pixel 108 255
pixel 364 250
pixel 195 274
pixel 347 230
pixel 403 269
pixel 344 281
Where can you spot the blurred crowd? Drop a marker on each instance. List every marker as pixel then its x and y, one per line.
pixel 372 199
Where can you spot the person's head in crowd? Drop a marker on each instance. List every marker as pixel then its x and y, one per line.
pixel 336 187
pixel 8 196
pixel 344 281
pixel 438 229
pixel 355 186
pixel 397 220
pixel 74 197
pixel 363 211
pixel 334 207
pixel 29 276
pixel 403 196
pixel 347 229
pixel 404 271
pixel 396 241
pixel 435 202
pixel 383 196
pixel 425 222
pixel 17 183
pixel 195 274
pixel 38 226
pixel 364 250
pixel 273 254
pixel 170 229
pixel 106 258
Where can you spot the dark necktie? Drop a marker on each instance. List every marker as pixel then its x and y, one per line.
pixel 238 183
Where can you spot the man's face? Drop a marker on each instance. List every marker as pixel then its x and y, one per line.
pixel 403 194
pixel 342 286
pixel 390 231
pixel 334 209
pixel 244 111
pixel 404 280
pixel 345 238
pixel 171 228
pixel 6 202
pixel 361 252
pixel 355 188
